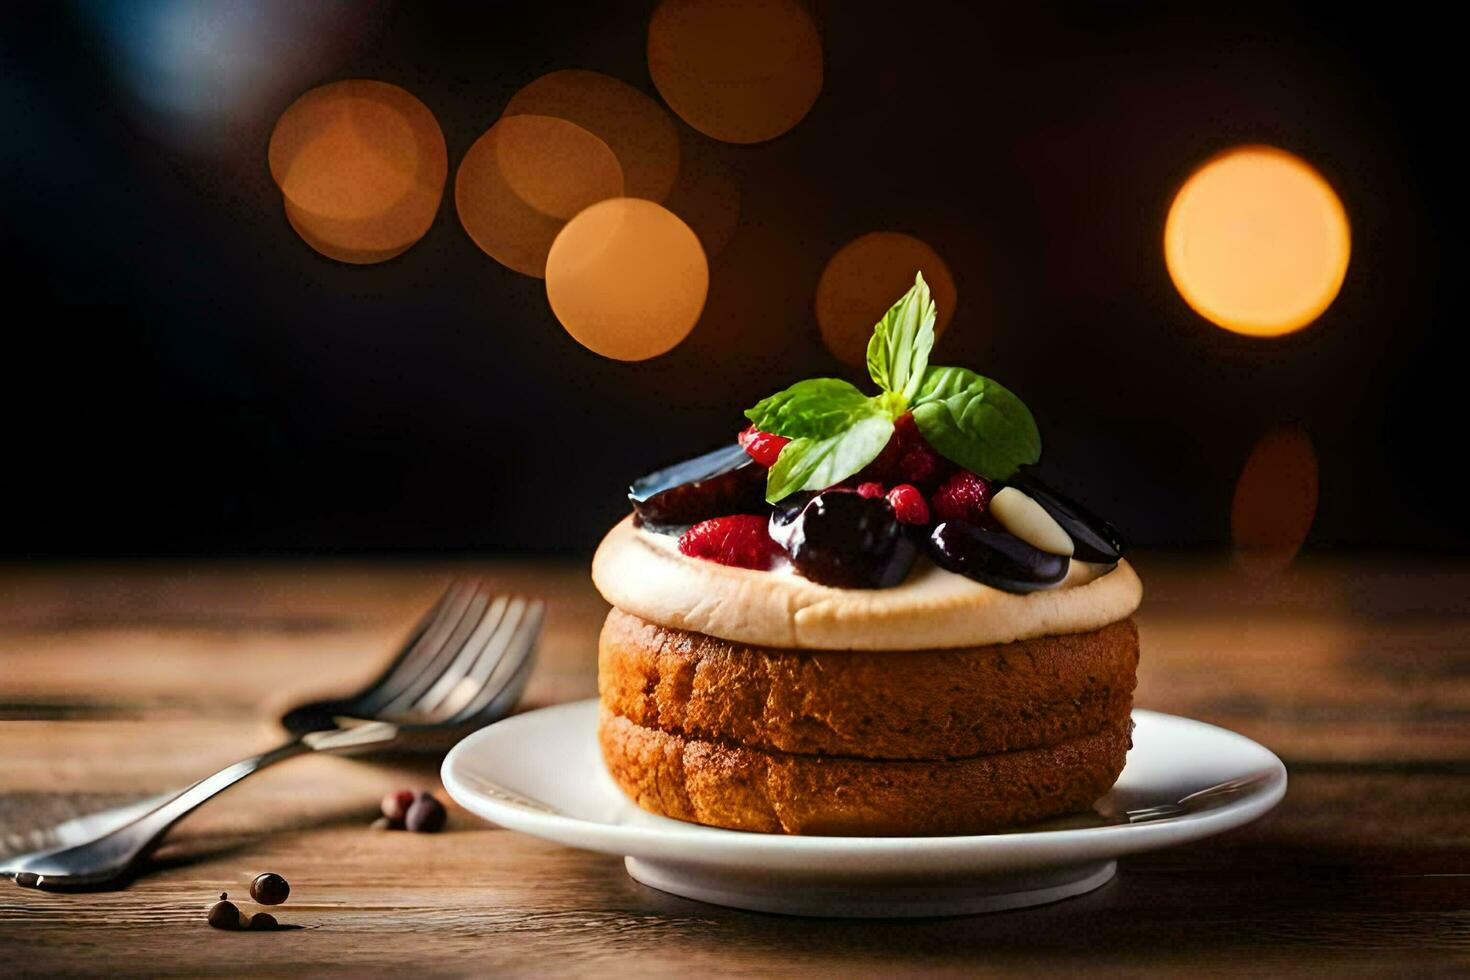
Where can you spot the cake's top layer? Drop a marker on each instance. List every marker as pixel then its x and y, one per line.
pixel 644 574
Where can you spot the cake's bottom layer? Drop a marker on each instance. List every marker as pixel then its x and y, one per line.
pixel 772 792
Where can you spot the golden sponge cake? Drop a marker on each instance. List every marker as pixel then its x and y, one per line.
pixel 761 701
pixel 909 704
pixel 733 786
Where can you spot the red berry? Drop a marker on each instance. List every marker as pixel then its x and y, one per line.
pixel 762 446
pixel 906 458
pixel 963 497
pixel 742 540
pixel 919 465
pixel 884 466
pixel 870 489
pixel 906 431
pixel 909 505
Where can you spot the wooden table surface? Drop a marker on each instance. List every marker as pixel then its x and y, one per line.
pixel 118 682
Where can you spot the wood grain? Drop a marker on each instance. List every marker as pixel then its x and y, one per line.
pixel 117 682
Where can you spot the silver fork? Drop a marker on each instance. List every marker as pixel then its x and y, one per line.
pixel 464 666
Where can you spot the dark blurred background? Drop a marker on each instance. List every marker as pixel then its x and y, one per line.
pixel 183 375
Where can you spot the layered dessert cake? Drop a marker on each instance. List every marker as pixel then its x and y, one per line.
pixel 868 616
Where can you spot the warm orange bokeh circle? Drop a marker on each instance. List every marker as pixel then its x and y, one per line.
pixel 637 130
pixel 862 280
pixel 1275 501
pixel 361 166
pixel 523 178
pixel 1257 242
pixel 627 279
pixel 742 71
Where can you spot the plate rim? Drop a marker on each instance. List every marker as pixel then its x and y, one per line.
pixel 737 847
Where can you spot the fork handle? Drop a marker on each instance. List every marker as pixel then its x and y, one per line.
pixel 110 857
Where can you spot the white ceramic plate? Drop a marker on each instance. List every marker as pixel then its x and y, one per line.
pixel 541 773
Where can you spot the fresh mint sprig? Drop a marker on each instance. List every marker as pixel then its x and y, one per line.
pixel 898 354
pixel 836 430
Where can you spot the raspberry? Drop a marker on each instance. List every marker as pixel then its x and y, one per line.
pixel 906 458
pixel 919 465
pixel 762 446
pixel 963 497
pixel 742 540
pixel 884 466
pixel 906 431
pixel 909 505
pixel 870 490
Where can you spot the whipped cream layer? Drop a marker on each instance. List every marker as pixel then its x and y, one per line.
pixel 644 574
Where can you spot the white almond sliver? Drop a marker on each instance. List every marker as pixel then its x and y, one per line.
pixel 1030 522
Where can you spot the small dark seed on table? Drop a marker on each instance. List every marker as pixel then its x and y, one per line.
pixel 426 816
pixel 269 889
pixel 262 920
pixel 224 915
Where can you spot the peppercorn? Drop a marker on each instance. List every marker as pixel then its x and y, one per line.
pixel 426 815
pixel 269 889
pixel 262 921
pixel 395 806
pixel 224 914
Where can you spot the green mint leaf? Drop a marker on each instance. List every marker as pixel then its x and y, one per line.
pixel 816 409
pixel 835 430
pixel 898 354
pixel 816 463
pixel 975 422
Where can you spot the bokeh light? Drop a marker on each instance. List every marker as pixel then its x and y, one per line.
pixel 1257 242
pixel 742 71
pixel 1275 501
pixel 865 278
pixel 639 132
pixel 362 166
pixel 523 178
pixel 305 226
pixel 707 194
pixel 627 279
pixel 206 76
pixel 556 166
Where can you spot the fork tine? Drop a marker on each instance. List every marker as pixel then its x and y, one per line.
pixel 507 674
pixel 498 699
pixel 486 659
pixel 424 647
pixel 464 661
pixel 415 637
pixel 472 645
pixel 453 642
